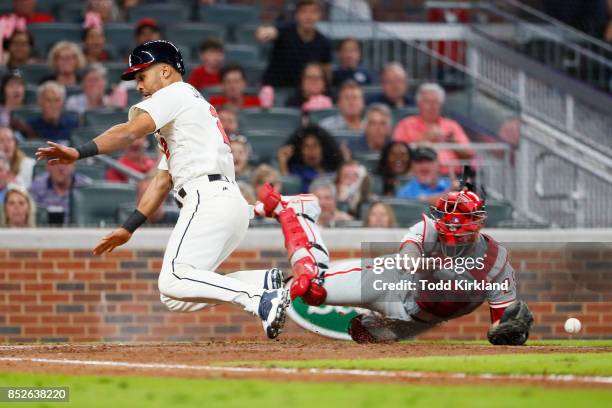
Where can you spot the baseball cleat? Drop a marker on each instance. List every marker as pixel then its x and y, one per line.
pixel 272 311
pixel 273 279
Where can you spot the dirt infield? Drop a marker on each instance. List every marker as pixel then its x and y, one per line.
pixel 199 359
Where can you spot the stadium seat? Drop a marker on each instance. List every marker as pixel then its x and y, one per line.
pixel 264 144
pixel 371 90
pixel 29 147
pixel 105 117
pixel 192 34
pixel 47 34
pixel 241 53
pixel 407 212
pixel 85 134
pixel 98 204
pixel 401 113
pixel 245 34
pixel 345 136
pixel 35 73
pixel 121 35
pixel 498 212
pixel 254 71
pixel 171 214
pixel 134 97
pixel 292 185
pixel 376 184
pixel 164 14
pixel 93 170
pixel 370 161
pixel 72 12
pixel 282 121
pixel 31 95
pixel 114 71
pixel 42 216
pixel 318 115
pixel 230 15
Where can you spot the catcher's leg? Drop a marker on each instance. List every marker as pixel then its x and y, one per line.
pixel 305 248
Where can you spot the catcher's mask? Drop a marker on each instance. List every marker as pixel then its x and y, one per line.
pixel 458 218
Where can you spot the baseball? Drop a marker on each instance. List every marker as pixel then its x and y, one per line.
pixel 572 325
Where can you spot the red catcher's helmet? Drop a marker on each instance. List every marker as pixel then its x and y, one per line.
pixel 459 216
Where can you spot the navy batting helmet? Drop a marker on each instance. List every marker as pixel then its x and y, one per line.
pixel 153 52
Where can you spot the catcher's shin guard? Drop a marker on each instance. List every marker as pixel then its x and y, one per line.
pixel 307 274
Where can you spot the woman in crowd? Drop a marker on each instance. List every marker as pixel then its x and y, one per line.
pixel 18 50
pixel 94 88
pixel 18 209
pixel 12 96
pixel 94 45
pixel 352 186
pixel 241 150
pixel 66 60
pixel 380 215
pixel 22 167
pixel 395 162
pixel 309 153
pixel 312 91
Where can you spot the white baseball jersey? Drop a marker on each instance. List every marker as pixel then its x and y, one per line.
pixel 189 133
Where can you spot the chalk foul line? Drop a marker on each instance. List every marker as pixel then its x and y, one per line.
pixel 560 378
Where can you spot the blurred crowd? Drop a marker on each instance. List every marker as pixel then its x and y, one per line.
pixel 354 151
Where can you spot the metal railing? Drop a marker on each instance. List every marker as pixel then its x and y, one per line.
pixel 566 126
pixel 543 38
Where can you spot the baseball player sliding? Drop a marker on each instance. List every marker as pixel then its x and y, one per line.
pixel 437 293
pixel 197 162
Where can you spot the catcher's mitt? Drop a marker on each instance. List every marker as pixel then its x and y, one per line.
pixel 514 325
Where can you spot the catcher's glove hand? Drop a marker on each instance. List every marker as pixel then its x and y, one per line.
pixel 514 325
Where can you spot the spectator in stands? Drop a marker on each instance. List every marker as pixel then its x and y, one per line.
pixel 53 188
pixel 312 91
pixel 247 192
pixel 5 175
pixel 395 163
pixel 158 216
pixel 295 45
pixel 380 215
pixel 241 150
pixel 263 174
pixel 211 61
pixel 377 132
pixel 309 153
pixel 351 105
pixel 18 210
pixel 349 57
pixel 427 185
pixel 21 166
pixel 394 82
pixel 66 60
pixel 106 10
pixel 93 96
pixel 229 119
pixel 52 123
pixel 27 9
pixel 233 83
pixel 147 29
pixel 12 96
pixel 94 45
pixel 325 191
pixel 18 50
pixel 136 158
pixel 352 186
pixel 125 6
pixel 429 126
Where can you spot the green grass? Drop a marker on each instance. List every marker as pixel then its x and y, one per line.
pixel 553 363
pixel 152 392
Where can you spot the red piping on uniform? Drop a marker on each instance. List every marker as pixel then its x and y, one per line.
pixel 341 272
